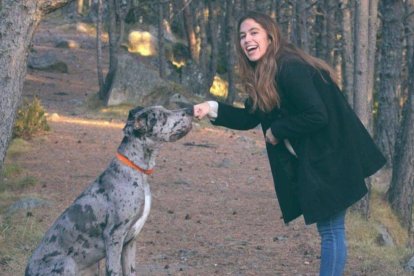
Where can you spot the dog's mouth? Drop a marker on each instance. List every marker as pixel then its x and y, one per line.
pixel 180 134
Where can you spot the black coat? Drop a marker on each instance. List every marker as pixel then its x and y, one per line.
pixel 334 151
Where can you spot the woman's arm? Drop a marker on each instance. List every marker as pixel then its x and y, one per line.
pixel 226 115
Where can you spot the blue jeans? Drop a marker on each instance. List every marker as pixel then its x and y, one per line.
pixel 333 245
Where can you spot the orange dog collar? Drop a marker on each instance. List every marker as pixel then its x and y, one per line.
pixel 130 164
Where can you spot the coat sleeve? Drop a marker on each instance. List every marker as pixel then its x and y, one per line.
pixel 235 117
pixel 309 112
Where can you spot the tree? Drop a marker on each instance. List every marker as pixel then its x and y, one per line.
pixel 361 79
pixel 161 48
pixel 18 22
pixel 361 61
pixel 299 24
pixel 231 53
pixel 401 191
pixel 189 27
pixel 347 51
pixel 117 10
pixel 99 20
pixel 212 27
pixel 390 77
pixel 372 47
pixel 326 31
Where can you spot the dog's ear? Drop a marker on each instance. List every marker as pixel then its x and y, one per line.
pixel 136 122
pixel 133 112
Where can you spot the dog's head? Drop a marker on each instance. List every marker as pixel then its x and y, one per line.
pixel 158 124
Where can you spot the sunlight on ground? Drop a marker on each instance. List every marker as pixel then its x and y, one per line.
pixel 141 43
pixel 178 63
pixel 99 123
pixel 91 31
pixel 219 87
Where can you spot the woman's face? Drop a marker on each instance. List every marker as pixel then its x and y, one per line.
pixel 253 39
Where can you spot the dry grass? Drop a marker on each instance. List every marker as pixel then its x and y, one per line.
pixel 19 232
pixel 13 177
pixel 363 245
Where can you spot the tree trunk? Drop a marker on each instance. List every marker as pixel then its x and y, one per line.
pixel 191 36
pixel 161 50
pixel 261 6
pixel 347 52
pixel 212 23
pixel 79 7
pixel 117 11
pixel 372 46
pixel 326 31
pixel 401 190
pixel 302 26
pixel 202 22
pixel 409 39
pixel 99 45
pixel 273 8
pixel 231 55
pixel 19 20
pixel 282 16
pixel 361 79
pixel 320 31
pixel 390 77
pixel 361 61
pixel 113 53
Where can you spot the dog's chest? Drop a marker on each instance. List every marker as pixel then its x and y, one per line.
pixel 136 228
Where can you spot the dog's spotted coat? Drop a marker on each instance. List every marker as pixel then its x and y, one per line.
pixel 104 220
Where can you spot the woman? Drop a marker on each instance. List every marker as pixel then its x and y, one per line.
pixel 319 151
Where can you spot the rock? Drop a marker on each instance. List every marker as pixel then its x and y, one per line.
pixel 177 100
pixel 194 79
pixel 225 163
pixel 67 44
pixel 280 238
pixel 47 62
pixel 251 180
pixel 383 238
pixel 185 254
pixel 26 203
pixel 134 82
pixel 409 267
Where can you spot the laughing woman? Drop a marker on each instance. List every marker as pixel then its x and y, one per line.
pixel 319 151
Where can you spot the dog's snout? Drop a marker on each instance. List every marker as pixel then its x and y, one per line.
pixel 189 110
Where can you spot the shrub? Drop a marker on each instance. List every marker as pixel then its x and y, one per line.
pixel 30 120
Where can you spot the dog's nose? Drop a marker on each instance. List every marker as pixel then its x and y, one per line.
pixel 189 110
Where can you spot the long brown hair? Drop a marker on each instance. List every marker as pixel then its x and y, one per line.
pixel 259 78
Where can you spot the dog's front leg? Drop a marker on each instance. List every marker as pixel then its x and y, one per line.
pixel 128 258
pixel 113 244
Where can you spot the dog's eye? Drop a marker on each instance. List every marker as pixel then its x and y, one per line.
pixel 152 120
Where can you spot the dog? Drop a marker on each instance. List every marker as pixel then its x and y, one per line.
pixel 105 219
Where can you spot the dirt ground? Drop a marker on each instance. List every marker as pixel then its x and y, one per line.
pixel 214 210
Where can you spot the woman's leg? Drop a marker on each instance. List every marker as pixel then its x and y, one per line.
pixel 333 245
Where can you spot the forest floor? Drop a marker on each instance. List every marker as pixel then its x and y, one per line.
pixel 214 210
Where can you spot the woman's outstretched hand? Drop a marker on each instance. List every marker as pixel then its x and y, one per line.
pixel 201 110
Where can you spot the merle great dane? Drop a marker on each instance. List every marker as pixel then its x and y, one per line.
pixel 104 220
